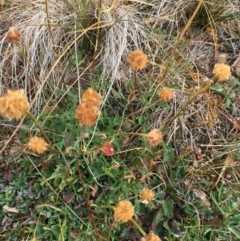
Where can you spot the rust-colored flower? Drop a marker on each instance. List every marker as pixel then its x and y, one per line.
pixel 151 237
pixel 222 72
pixel 13 104
pixel 137 59
pixel 166 94
pixel 154 137
pixel 90 96
pixel 87 114
pixel 13 35
pixel 146 195
pixel 37 145
pixel 124 211
pixel 107 149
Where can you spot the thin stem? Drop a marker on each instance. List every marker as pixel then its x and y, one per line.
pixel 137 84
pixel 176 45
pixel 50 147
pixel 205 88
pixel 88 205
pixel 37 125
pixel 49 27
pixel 138 227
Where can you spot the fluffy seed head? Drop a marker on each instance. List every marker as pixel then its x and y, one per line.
pixel 124 211
pixel 91 97
pixel 37 145
pixel 146 195
pixel 13 104
pixel 222 72
pixel 154 137
pixel 151 237
pixel 166 94
pixel 13 35
pixel 137 59
pixel 87 114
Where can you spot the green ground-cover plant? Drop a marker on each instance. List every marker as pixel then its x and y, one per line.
pixel 161 125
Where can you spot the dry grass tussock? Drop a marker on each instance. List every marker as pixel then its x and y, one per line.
pixel 152 27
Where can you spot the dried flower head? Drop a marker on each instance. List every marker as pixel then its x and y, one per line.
pixel 146 195
pixel 107 149
pixel 137 59
pixel 37 145
pixel 13 104
pixel 124 211
pixel 13 35
pixel 166 94
pixel 87 114
pixel 222 72
pixel 151 237
pixel 90 96
pixel 154 137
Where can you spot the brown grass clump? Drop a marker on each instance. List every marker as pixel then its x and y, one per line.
pixel 124 211
pixel 222 72
pixel 137 59
pixel 166 94
pixel 13 104
pixel 146 195
pixel 154 137
pixel 87 114
pixel 13 35
pixel 151 237
pixel 90 96
pixel 37 145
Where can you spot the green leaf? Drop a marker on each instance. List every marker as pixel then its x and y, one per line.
pixel 56 230
pixel 168 154
pixel 227 103
pixel 108 172
pixel 37 187
pixel 217 88
pixel 234 81
pixel 234 109
pixel 168 209
pixel 117 95
pixel 237 234
pixel 158 217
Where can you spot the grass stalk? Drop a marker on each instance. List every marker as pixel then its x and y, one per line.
pixel 138 227
pixel 168 65
pixel 202 90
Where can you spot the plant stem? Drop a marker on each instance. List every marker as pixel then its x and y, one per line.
pixel 37 125
pixel 205 88
pixel 137 83
pixel 87 203
pixel 175 47
pixel 138 227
